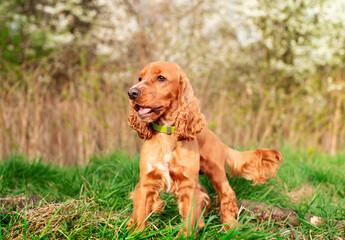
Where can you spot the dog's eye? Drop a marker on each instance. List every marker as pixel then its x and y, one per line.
pixel 160 78
pixel 140 79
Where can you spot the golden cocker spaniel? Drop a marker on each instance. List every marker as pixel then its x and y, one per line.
pixel 178 144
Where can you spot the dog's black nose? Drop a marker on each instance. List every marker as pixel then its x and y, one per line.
pixel 133 93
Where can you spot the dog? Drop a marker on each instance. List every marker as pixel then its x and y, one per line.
pixel 165 112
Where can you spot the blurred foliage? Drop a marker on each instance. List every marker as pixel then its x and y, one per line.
pixel 31 29
pixel 264 71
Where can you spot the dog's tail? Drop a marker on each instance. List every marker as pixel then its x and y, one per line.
pixel 257 165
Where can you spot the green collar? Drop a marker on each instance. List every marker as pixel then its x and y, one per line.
pixel 163 129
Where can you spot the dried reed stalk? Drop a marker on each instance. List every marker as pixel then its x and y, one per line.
pixel 65 111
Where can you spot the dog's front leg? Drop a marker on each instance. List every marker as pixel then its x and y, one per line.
pixel 145 202
pixel 147 192
pixel 192 198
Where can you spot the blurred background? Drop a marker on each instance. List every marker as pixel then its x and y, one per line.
pixel 266 73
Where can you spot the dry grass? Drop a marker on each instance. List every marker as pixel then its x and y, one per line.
pixel 299 194
pixel 64 115
pixel 10 203
pixel 71 105
pixel 59 219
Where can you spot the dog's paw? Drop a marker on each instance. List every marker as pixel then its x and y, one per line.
pixel 230 225
pixel 131 224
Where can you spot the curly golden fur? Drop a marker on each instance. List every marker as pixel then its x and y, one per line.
pixel 144 130
pixel 190 121
pixel 172 162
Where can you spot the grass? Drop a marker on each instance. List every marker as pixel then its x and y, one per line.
pixel 92 201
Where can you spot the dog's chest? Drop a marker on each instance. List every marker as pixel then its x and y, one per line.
pixel 167 145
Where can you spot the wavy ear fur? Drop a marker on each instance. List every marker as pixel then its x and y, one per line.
pixel 144 130
pixel 190 120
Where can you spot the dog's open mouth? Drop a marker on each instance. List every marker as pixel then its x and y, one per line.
pixel 147 111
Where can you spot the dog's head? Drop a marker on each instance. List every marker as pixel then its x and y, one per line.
pixel 164 92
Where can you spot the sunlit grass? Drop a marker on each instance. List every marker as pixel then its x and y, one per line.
pixel 92 201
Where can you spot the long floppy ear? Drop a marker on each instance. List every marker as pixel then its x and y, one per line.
pixel 144 130
pixel 190 120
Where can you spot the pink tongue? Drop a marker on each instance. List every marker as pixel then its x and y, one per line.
pixel 143 111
